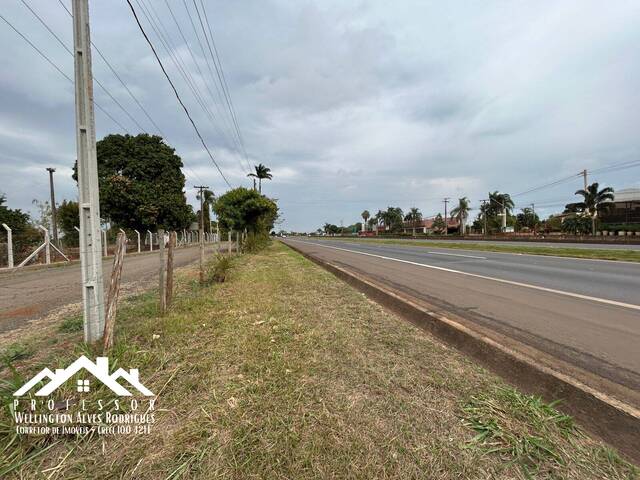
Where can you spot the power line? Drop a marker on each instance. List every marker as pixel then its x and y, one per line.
pixel 225 134
pixel 221 76
pixel 71 53
pixel 546 185
pixel 113 70
pixel 164 37
pixel 175 91
pixel 53 64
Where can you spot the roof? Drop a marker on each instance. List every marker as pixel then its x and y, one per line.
pixel 627 195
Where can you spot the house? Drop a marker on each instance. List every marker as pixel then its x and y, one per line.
pixel 625 208
pixel 426 226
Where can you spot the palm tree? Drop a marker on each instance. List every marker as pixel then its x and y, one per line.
pixel 415 217
pixel 461 212
pixel 500 204
pixel 365 216
pixel 207 201
pixel 262 172
pixel 594 202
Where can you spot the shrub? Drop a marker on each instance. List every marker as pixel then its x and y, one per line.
pixel 255 242
pixel 219 269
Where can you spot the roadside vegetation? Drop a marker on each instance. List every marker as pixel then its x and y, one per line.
pixel 594 254
pixel 283 371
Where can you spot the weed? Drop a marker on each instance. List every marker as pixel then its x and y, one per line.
pixel 71 324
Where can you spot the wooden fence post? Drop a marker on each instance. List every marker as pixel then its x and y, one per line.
pixel 163 265
pixel 114 290
pixel 172 244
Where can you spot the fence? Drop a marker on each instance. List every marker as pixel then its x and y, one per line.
pixel 31 246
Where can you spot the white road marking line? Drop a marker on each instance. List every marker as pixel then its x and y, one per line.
pixel 457 255
pixel 484 277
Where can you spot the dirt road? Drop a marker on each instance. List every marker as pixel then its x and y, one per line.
pixel 31 294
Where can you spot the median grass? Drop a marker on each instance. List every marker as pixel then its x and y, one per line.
pixel 283 371
pixel 589 253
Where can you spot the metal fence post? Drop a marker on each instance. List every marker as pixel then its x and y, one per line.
pixel 138 234
pixel 47 247
pixel 9 245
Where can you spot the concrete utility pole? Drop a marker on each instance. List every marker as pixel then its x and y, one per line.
pixel 9 245
pixel 584 175
pixel 90 241
pixel 54 214
pixel 446 223
pixel 484 217
pixel 201 233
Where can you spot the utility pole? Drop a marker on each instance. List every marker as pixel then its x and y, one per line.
pixel 54 215
pixel 484 216
pixel 201 235
pixel 446 224
pixel 584 175
pixel 89 199
pixel 533 212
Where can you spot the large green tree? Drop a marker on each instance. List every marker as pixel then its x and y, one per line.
pixel 414 217
pixel 242 208
pixel 594 202
pixel 461 212
pixel 141 183
pixel 68 219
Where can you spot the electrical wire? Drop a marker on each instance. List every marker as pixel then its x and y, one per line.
pixel 115 73
pixel 53 64
pixel 175 91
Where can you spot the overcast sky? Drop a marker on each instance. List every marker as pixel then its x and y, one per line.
pixel 353 105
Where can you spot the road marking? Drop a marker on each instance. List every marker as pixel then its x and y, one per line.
pixel 457 255
pixel 484 277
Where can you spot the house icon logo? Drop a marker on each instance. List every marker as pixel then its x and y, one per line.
pixel 99 370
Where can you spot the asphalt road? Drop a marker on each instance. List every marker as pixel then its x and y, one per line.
pixel 32 293
pixel 523 243
pixel 584 313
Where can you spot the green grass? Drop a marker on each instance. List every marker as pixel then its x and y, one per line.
pixel 594 254
pixel 283 371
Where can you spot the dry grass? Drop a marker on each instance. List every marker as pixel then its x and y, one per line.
pixel 285 372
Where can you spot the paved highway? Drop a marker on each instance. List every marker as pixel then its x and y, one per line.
pixel 524 243
pixel 584 313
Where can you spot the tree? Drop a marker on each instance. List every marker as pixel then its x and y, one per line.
pixel 68 218
pixel 593 202
pixel 365 216
pixel 576 225
pixel 242 208
pixel 141 183
pixel 331 229
pixel 44 213
pixel 208 199
pixel 438 224
pixel 527 219
pixel 414 217
pixel 493 210
pixel 14 218
pixel 461 212
pixel 262 172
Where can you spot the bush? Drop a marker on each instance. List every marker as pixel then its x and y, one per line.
pixel 255 242
pixel 219 269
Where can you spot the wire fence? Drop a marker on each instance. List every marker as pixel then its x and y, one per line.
pixel 25 241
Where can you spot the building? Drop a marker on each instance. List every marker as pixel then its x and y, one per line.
pixel 625 208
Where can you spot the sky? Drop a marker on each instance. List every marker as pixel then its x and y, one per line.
pixel 353 105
